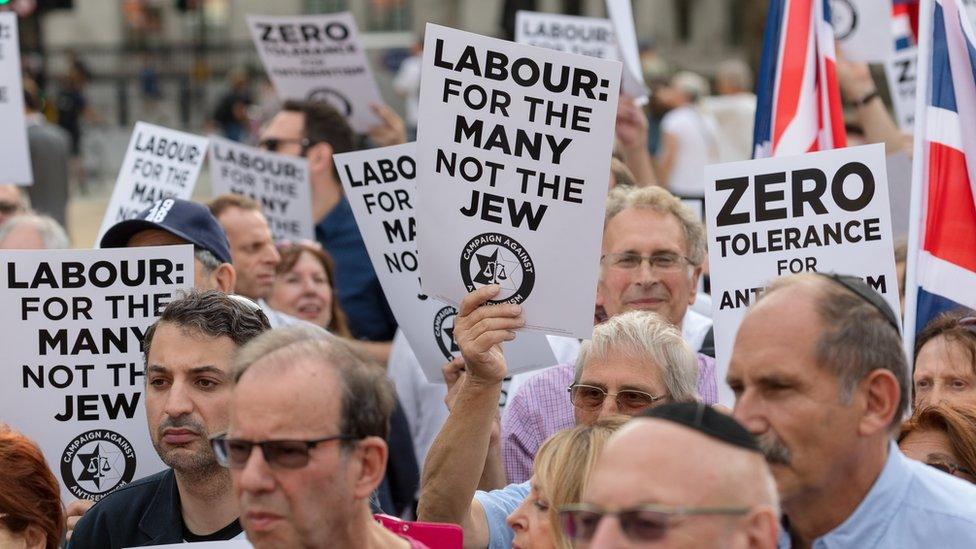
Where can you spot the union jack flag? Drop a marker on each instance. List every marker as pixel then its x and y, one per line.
pixel 798 104
pixel 904 23
pixel 941 273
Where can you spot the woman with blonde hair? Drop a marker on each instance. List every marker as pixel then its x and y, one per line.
pixel 561 469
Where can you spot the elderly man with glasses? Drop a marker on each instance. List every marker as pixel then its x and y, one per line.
pixel 306 443
pixel 684 475
pixel 634 361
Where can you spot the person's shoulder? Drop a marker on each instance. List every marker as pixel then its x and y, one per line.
pixel 114 520
pixel 552 376
pixel 938 494
pixel 130 496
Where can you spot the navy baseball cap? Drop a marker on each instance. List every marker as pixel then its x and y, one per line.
pixel 187 220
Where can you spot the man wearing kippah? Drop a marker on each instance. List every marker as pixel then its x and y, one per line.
pixel 684 475
pixel 821 381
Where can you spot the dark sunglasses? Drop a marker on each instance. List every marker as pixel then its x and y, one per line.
pixel 274 143
pixel 642 523
pixel 590 398
pixel 233 453
pixel 8 207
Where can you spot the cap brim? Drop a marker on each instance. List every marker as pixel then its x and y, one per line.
pixel 118 235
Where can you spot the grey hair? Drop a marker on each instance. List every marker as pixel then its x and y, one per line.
pixel 52 233
pixel 643 334
pixel 367 394
pixel 660 200
pixel 735 72
pixel 207 260
pixel 857 338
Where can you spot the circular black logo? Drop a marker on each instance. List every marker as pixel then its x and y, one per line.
pixel 493 258
pixel 97 462
pixel 444 331
pixel 843 16
pixel 333 98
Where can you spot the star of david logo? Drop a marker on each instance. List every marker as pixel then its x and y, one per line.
pixel 95 467
pixel 449 332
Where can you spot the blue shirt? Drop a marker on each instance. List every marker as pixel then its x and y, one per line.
pixel 356 285
pixel 911 505
pixel 498 504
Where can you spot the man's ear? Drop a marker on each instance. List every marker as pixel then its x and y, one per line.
pixel 881 395
pixel 319 158
pixel 762 528
pixel 34 537
pixel 371 452
pixel 225 278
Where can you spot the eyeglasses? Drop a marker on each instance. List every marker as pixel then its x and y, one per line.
pixel 626 261
pixel 9 207
pixel 274 143
pixel 233 453
pixel 642 523
pixel 952 468
pixel 590 398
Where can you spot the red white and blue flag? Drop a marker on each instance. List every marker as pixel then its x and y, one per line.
pixel 941 271
pixel 798 100
pixel 904 23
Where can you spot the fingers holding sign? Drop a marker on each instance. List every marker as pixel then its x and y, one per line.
pixel 390 130
pixel 73 513
pixel 480 330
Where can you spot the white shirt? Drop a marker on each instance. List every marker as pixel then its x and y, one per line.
pixel 697 147
pixel 407 83
pixel 693 329
pixel 734 116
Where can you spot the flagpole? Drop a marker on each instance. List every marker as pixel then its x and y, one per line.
pixel 919 154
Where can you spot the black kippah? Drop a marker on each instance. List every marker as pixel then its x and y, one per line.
pixel 866 293
pixel 706 420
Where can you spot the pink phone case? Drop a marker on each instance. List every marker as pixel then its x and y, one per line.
pixel 435 535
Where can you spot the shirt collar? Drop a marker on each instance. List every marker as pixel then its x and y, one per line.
pixel 870 519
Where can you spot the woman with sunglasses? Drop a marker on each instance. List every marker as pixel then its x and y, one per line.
pixel 303 286
pixel 945 360
pixel 943 437
pixel 561 469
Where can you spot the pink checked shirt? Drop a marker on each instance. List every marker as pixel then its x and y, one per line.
pixel 541 407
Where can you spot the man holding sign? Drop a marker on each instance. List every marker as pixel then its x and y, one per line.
pixel 188 354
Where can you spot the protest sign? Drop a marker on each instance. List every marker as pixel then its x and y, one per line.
pixel 824 212
pixel 570 33
pixel 381 187
pixel 863 29
pixel 72 368
pixel 513 158
pixel 900 70
pixel 16 165
pixel 622 16
pixel 279 183
pixel 319 57
pixel 159 163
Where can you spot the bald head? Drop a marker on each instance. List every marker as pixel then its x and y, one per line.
pixel 660 462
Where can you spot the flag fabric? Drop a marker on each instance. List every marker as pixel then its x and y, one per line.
pixel 904 23
pixel 798 99
pixel 941 273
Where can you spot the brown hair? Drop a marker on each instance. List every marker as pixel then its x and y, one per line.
pixel 290 253
pixel 563 464
pixel 29 493
pixel 957 421
pixel 226 201
pixel 947 325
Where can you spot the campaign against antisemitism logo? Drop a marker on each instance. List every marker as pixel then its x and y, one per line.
pixel 493 258
pixel 97 462
pixel 843 15
pixel 332 97
pixel 444 332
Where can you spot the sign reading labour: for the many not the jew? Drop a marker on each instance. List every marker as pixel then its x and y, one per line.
pixel 513 160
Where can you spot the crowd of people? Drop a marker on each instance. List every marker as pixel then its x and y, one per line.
pixel 289 409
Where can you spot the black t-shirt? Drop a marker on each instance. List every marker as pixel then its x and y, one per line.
pixel 227 532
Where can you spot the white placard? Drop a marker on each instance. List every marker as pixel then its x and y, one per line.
pixel 824 212
pixel 72 375
pixel 970 6
pixel 862 29
pixel 570 33
pixel 901 70
pixel 319 57
pixel 381 187
pixel 16 165
pixel 159 163
pixel 278 182
pixel 622 15
pixel 514 175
